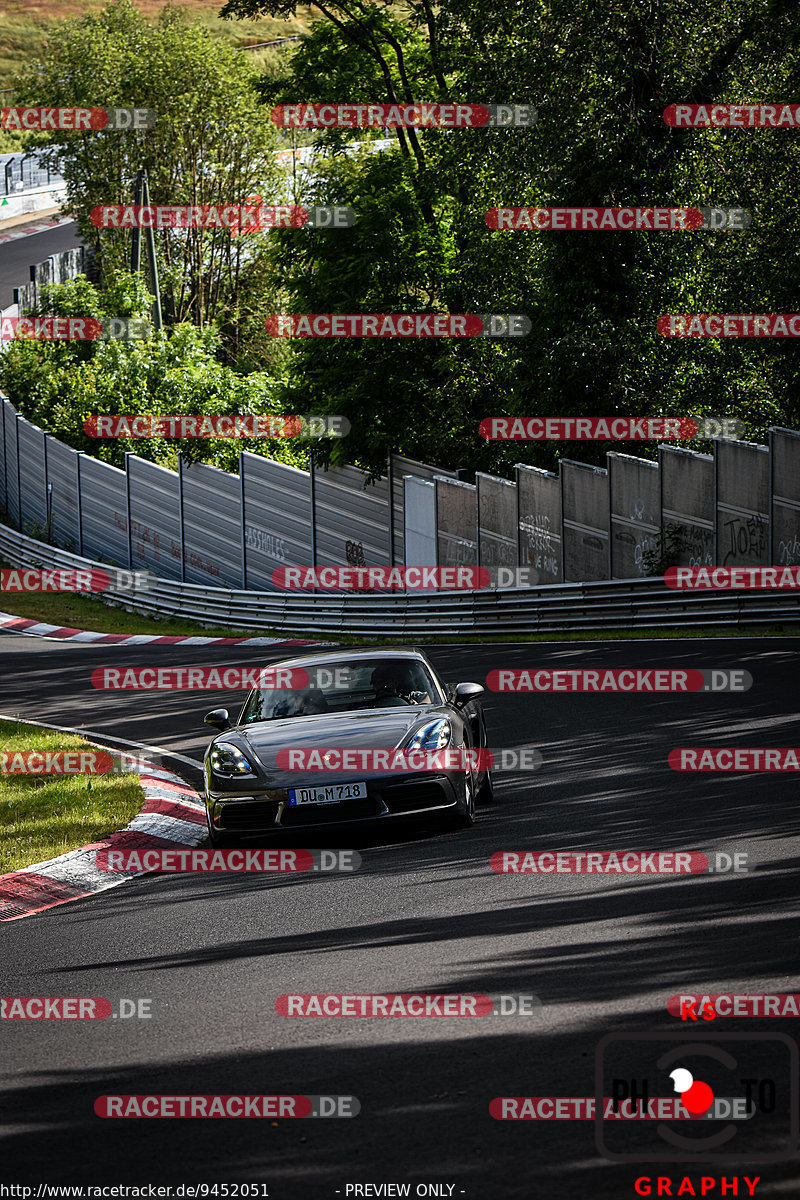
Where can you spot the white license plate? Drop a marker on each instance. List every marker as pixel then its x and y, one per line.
pixel 331 793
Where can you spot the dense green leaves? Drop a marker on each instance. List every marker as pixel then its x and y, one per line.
pixel 213 143
pixel 57 385
pixel 600 79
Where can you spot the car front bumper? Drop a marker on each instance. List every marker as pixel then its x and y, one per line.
pixel 249 814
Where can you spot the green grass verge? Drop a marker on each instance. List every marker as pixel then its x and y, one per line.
pixel 42 816
pixel 25 30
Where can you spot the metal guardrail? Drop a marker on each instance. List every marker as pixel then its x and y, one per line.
pixel 20 172
pixel 295 37
pixel 555 608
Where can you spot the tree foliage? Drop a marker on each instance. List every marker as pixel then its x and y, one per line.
pixel 600 79
pixel 57 385
pixel 213 143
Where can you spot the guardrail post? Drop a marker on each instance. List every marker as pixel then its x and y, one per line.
pixel 4 497
pixel 79 500
pixel 180 515
pixel 478 520
pixel 48 489
pixel 19 477
pixel 128 511
pixel 136 236
pixel 243 520
pixel 313 494
pixel 390 473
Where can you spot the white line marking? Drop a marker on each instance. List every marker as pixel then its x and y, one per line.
pixel 101 737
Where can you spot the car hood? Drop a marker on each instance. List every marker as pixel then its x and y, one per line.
pixel 372 729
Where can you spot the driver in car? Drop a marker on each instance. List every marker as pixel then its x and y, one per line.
pixel 394 685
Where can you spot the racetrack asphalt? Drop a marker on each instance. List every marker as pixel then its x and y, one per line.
pixel 424 914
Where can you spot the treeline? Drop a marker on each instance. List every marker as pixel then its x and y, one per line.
pixel 599 77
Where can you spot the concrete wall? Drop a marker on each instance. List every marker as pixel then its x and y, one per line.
pixel 456 523
pixel 155 518
pixel 635 504
pixel 497 522
pixel 539 524
pixel 419 507
pixel 742 499
pixel 276 517
pixel 687 503
pixel 584 520
pixel 785 456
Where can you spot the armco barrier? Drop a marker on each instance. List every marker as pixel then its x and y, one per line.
pixel 558 608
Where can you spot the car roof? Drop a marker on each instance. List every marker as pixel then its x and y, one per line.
pixel 353 654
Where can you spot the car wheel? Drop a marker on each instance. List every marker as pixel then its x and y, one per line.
pixel 465 813
pixel 486 792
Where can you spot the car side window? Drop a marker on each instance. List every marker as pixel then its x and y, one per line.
pixel 252 711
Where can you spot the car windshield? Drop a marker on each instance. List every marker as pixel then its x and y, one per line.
pixel 347 687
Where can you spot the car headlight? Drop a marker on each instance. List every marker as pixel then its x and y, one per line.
pixel 227 759
pixel 434 736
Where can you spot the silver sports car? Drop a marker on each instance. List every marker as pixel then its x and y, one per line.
pixel 352 715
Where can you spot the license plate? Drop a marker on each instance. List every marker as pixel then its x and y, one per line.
pixel 331 793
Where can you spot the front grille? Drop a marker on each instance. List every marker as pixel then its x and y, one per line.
pixel 328 814
pixel 248 814
pixel 412 796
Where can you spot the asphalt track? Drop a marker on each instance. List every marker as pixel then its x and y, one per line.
pixel 424 914
pixel 17 257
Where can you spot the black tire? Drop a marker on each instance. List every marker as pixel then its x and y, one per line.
pixel 465 812
pixel 486 790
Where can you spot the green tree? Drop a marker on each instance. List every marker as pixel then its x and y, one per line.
pixel 213 143
pixel 600 79
pixel 57 385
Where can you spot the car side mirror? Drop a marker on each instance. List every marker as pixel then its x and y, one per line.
pixel 218 717
pixel 466 692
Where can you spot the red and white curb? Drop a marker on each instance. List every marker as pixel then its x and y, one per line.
pixel 172 814
pixel 66 634
pixel 27 230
